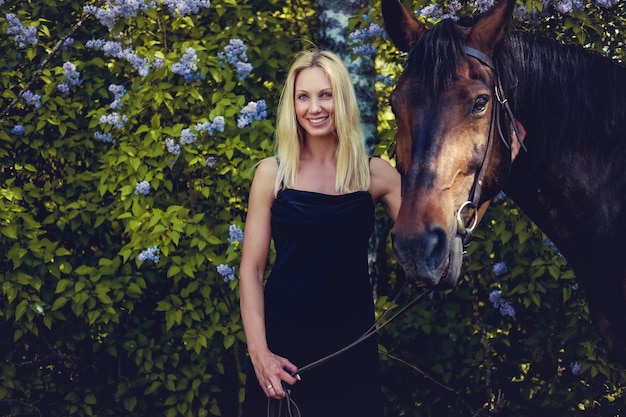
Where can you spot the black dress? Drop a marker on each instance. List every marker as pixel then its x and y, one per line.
pixel 318 299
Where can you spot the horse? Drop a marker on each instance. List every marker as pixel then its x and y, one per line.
pixel 468 99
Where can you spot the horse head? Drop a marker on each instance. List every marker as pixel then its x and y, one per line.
pixel 448 109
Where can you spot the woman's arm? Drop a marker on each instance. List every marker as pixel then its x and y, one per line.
pixel 385 186
pixel 269 368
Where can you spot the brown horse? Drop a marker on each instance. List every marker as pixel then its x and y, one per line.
pixel 456 106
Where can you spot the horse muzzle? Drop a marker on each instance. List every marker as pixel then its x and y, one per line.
pixel 432 258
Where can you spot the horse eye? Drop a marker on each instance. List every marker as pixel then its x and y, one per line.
pixel 480 104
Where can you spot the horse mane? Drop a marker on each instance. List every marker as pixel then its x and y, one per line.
pixel 434 55
pixel 574 97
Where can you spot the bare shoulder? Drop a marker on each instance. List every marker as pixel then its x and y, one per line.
pixel 267 168
pixel 263 182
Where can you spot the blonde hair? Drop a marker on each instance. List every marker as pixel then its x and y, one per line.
pixel 352 160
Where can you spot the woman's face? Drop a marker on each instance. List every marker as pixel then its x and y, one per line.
pixel 315 106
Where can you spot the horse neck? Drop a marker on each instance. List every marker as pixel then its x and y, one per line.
pixel 573 107
pixel 565 94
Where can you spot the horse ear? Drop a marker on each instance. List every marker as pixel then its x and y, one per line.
pixel 491 27
pixel 402 27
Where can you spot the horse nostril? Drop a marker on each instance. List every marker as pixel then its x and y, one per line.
pixel 436 246
pixel 422 254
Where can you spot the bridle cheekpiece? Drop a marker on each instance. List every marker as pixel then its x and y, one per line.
pixel 475 193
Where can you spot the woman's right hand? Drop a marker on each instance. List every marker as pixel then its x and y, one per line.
pixel 271 370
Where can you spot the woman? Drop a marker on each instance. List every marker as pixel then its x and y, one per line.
pixel 315 199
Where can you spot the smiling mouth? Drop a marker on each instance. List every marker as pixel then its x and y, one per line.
pixel 317 121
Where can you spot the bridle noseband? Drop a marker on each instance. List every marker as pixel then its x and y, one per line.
pixel 473 200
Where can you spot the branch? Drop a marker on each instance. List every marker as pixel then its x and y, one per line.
pixel 20 402
pixel 45 62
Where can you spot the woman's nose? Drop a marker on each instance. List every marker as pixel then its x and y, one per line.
pixel 315 106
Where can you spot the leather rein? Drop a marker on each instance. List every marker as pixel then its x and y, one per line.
pixel 287 407
pixel 466 228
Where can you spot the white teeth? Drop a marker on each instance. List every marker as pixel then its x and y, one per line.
pixel 317 120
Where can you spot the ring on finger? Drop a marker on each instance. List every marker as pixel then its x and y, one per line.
pixel 269 387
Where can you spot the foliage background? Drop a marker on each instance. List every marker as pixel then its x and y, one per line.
pixel 92 324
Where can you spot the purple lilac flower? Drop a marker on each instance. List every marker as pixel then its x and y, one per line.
pixel 218 123
pixel 114 119
pixel 372 31
pixel 575 368
pixel 116 50
pixel 18 130
pixel 521 14
pixel 568 6
pixel 365 50
pixel 209 127
pixel 235 54
pixel 172 147
pixel 606 3
pixel 505 307
pixel 204 127
pixel 484 5
pixel 104 137
pixel 158 63
pixel 116 9
pixel 454 6
pixel 183 7
pixel 32 99
pixel 552 246
pixel 63 88
pixel 23 35
pixel 365 35
pixel 385 79
pixel 235 234
pixel 67 44
pixel 227 272
pixel 142 187
pixel 500 268
pixel 187 136
pixel 210 161
pixel 118 92
pixel 243 70
pixel 150 254
pixel 432 11
pixel 253 111
pixel 71 75
pixel 187 66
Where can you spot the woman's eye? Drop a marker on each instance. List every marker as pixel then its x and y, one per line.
pixel 480 104
pixel 327 94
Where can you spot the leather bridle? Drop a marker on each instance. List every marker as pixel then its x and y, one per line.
pixel 473 200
